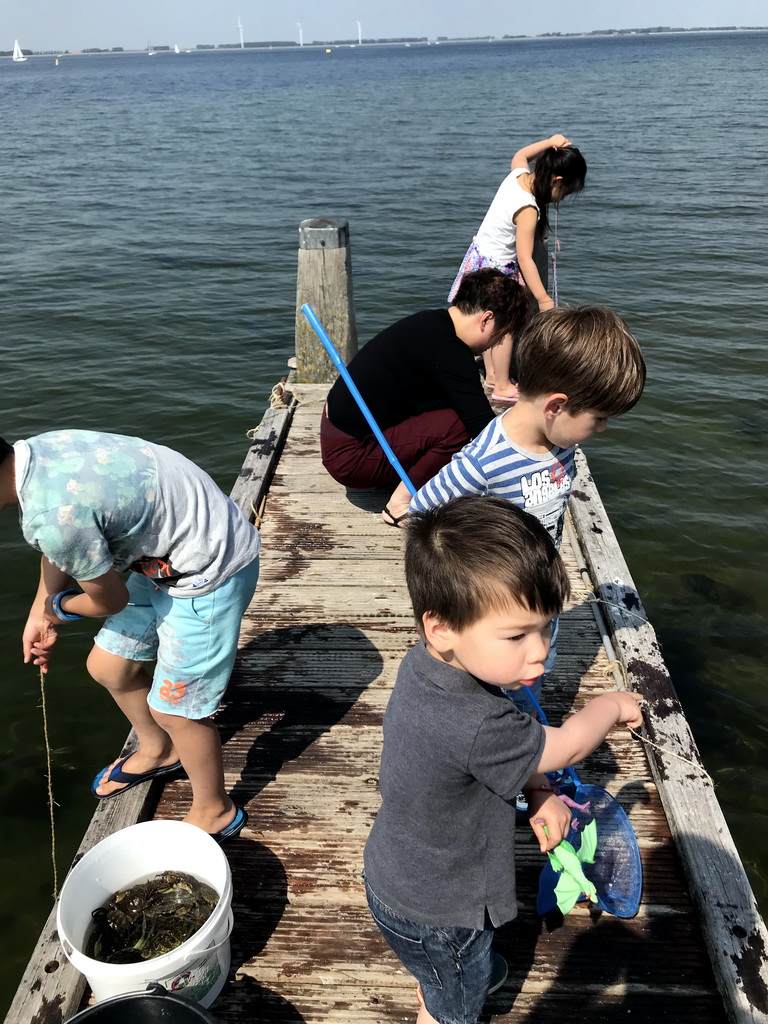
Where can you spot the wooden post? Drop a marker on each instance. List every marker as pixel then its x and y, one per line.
pixel 325 282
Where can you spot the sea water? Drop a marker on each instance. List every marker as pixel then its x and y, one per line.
pixel 148 254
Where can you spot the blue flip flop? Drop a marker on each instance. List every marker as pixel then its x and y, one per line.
pixel 129 778
pixel 234 828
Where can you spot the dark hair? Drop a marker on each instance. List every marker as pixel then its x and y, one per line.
pixel 564 162
pixel 5 450
pixel 474 555
pixel 587 353
pixel 491 289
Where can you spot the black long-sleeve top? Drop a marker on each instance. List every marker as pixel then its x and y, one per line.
pixel 417 365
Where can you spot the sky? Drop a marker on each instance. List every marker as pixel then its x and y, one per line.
pixel 77 24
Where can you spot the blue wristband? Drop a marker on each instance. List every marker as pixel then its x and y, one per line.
pixel 58 611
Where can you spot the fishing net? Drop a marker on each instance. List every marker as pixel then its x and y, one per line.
pixel 599 860
pixel 612 865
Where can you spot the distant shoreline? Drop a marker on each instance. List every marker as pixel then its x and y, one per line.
pixel 390 42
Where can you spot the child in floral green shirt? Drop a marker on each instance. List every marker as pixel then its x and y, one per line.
pixel 96 505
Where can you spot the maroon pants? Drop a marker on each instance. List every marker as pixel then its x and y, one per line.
pixel 423 444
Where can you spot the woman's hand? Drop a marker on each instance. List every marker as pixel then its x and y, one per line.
pixel 549 818
pixel 559 140
pixel 37 640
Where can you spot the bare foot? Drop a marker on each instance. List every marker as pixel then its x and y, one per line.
pixel 137 764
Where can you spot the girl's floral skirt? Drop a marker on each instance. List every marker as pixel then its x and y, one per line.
pixel 474 260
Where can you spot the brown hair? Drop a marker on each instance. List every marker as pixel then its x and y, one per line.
pixel 5 450
pixel 474 555
pixel 490 289
pixel 586 353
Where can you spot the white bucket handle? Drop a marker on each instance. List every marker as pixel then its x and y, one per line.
pixel 69 948
pixel 230 926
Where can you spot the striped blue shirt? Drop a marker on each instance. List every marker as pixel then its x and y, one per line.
pixel 492 464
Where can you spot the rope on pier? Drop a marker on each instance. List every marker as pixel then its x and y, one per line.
pixel 277 397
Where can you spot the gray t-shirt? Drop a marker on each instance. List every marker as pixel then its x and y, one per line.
pixel 91 501
pixel 456 752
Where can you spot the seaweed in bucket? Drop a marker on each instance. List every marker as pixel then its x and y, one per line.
pixel 150 918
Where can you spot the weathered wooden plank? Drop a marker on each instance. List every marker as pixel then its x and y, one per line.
pixel 253 481
pixel 735 932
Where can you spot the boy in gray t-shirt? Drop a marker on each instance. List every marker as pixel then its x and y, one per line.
pixel 96 505
pixel 485 581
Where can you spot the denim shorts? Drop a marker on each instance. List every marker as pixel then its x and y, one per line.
pixel 192 639
pixel 452 965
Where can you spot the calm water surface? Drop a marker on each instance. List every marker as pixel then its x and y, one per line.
pixel 148 253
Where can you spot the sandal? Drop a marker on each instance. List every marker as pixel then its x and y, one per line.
pixel 130 779
pixel 393 520
pixel 234 828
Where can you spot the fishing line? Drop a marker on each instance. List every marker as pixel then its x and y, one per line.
pixel 554 260
pixel 51 802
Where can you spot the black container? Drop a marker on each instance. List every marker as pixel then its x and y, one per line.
pixel 155 1006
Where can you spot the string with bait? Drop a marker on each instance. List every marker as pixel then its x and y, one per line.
pixel 555 247
pixel 51 802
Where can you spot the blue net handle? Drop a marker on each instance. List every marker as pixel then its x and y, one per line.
pixel 337 361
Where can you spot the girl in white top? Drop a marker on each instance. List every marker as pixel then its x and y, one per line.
pixel 515 221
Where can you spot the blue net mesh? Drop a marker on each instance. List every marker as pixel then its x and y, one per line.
pixel 617 872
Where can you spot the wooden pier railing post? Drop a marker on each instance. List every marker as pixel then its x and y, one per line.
pixel 325 281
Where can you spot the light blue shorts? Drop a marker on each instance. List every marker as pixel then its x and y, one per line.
pixel 193 640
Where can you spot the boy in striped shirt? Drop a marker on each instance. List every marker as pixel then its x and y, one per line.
pixel 575 369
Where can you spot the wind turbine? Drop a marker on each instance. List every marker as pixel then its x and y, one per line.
pixel 240 29
pixel 359 33
pixel 301 36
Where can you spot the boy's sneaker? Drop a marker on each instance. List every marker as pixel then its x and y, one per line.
pixel 499 972
pixel 521 804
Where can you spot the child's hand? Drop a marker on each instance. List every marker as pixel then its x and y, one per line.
pixel 546 304
pixel 559 140
pixel 630 712
pixel 549 818
pixel 36 643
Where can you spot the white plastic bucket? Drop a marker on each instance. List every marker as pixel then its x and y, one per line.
pixel 199 966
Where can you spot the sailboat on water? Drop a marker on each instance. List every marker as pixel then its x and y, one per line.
pixel 18 56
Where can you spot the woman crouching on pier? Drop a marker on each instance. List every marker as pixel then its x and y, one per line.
pixel 421 383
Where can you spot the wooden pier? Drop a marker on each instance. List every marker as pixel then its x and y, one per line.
pixel 320 647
